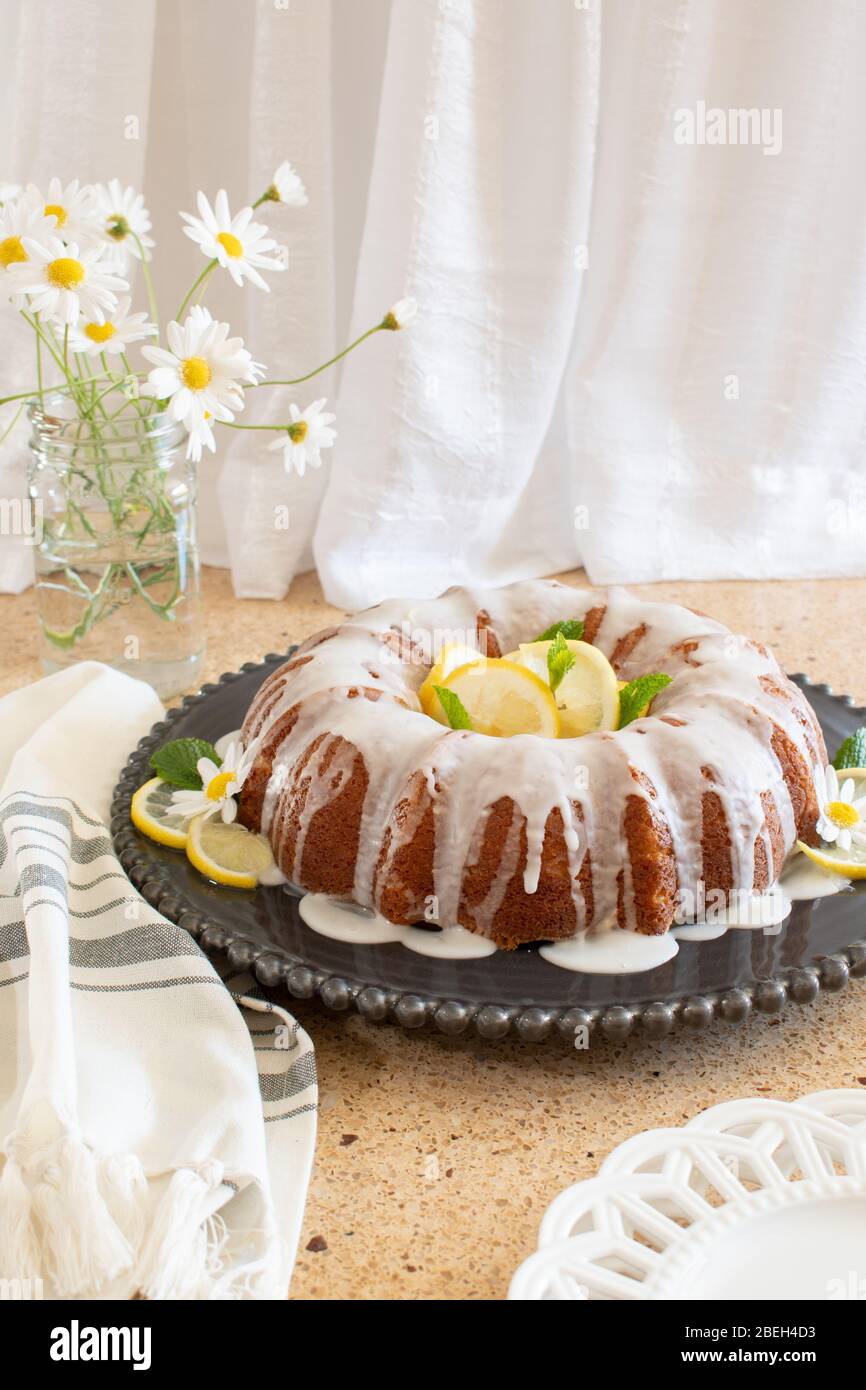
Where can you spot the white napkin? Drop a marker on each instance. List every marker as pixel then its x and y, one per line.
pixel 147 1145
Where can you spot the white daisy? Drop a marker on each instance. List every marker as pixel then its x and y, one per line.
pixel 287 187
pixel 841 815
pixel 123 217
pixel 201 376
pixel 70 208
pixel 63 281
pixel 219 785
pixel 111 334
pixel 8 191
pixel 19 218
pixel 401 314
pixel 237 242
pixel 309 433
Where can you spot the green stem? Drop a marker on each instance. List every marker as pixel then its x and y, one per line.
pixel 232 425
pixel 193 287
pixel 148 282
pixel 296 381
pixel 40 333
pixel 12 423
pixel 34 391
pixel 38 358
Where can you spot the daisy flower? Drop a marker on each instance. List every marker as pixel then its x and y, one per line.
pixel 113 334
pixel 19 218
pixel 122 217
pixel 309 433
pixel 70 206
pixel 64 282
pixel 287 187
pixel 401 314
pixel 219 786
pixel 201 376
pixel 238 243
pixel 841 815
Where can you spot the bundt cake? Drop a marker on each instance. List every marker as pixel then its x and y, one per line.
pixel 366 798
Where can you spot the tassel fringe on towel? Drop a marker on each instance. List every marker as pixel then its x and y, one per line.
pixel 84 1221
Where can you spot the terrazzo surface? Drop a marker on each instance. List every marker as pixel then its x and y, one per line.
pixel 436 1158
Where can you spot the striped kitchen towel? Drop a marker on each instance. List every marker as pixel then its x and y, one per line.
pixel 157 1121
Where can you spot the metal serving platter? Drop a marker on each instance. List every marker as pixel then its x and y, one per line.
pixel 820 946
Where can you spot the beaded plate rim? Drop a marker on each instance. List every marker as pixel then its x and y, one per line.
pixel 279 968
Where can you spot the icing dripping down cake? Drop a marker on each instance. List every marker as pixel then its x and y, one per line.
pixel 366 798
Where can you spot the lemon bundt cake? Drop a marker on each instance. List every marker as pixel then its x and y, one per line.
pixel 367 798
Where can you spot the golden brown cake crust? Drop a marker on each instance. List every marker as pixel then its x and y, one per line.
pixel 353 812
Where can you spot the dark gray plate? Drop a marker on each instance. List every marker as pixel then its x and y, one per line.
pixel 818 947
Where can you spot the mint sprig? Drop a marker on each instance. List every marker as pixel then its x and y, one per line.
pixel 852 751
pixel 453 708
pixel 635 696
pixel 175 762
pixel 571 629
pixel 559 660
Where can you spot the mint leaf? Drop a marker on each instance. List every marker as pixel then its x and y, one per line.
pixel 637 694
pixel 852 753
pixel 453 708
pixel 559 660
pixel 176 762
pixel 571 630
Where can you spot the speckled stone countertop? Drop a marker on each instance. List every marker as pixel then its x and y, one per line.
pixel 436 1157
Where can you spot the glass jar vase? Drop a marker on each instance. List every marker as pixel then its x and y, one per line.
pixel 113 503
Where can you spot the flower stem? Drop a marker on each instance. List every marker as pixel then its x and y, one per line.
pixel 148 281
pixel 232 425
pixel 38 357
pixel 296 381
pixel 40 333
pixel 193 287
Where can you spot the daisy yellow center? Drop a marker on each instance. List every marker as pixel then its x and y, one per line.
pixel 65 273
pixel 195 373
pixel 298 431
pixel 100 332
pixel 842 814
pixel 230 244
pixel 55 210
pixel 118 227
pixel 11 251
pixel 217 786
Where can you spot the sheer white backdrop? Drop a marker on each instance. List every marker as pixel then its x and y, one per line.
pixel 634 352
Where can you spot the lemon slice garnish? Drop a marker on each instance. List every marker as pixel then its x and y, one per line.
pixel 587 697
pixel 834 860
pixel 450 657
pixel 228 854
pixel 502 698
pixel 152 813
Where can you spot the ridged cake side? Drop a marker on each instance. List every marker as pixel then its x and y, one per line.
pixel 366 798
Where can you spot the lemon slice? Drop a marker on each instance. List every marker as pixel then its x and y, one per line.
pixel 834 860
pixel 587 697
pixel 450 657
pixel 152 813
pixel 502 698
pixel 228 854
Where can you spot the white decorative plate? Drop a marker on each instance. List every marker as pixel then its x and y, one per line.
pixel 753 1199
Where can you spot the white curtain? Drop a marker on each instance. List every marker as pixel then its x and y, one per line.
pixel 633 352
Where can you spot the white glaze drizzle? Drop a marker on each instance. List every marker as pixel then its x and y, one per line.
pixel 607 950
pixel 728 721
pixel 346 922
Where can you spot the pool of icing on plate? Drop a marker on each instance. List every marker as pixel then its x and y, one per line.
pixel 610 951
pixel 604 952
